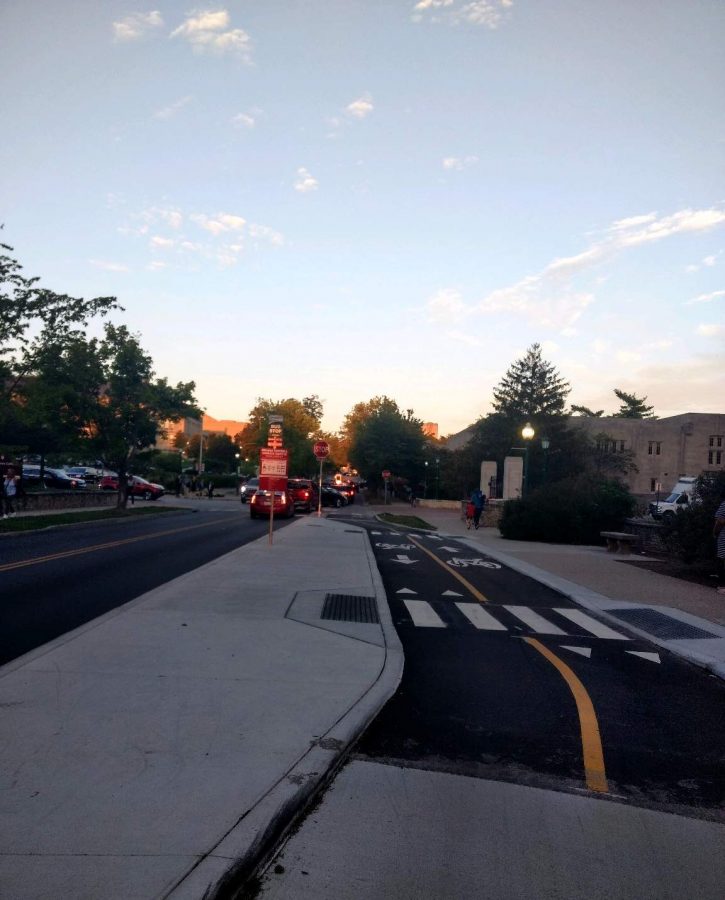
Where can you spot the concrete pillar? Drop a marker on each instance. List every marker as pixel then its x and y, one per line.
pixel 513 477
pixel 488 477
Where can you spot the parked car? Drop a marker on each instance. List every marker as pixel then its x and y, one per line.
pixel 347 489
pixel 53 478
pixel 140 487
pixel 87 473
pixel 303 493
pixel 333 497
pixel 259 504
pixel 248 489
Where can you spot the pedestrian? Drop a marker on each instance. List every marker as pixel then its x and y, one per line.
pixel 10 491
pixel 413 495
pixel 718 532
pixel 178 485
pixel 210 489
pixel 478 499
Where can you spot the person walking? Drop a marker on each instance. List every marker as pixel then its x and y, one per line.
pixel 718 532
pixel 10 492
pixel 478 499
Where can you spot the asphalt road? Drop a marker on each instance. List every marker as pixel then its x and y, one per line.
pixel 54 580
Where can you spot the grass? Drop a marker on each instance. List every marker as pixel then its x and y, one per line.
pixel 407 521
pixel 34 523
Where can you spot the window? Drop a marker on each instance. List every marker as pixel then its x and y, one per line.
pixel 650 448
pixel 658 448
pixel 653 485
pixel 716 440
pixel 621 446
pixel 714 457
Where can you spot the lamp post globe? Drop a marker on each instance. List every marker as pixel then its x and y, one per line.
pixel 527 433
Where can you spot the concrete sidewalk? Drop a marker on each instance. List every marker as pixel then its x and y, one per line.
pixel 685 618
pixel 156 751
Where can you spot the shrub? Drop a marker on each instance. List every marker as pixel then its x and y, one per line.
pixel 688 535
pixel 571 511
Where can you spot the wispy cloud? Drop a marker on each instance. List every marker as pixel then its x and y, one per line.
pixel 459 163
pixel 168 112
pixel 305 182
pixel 137 26
pixel 488 13
pixel 707 262
pixel 209 31
pixel 360 108
pixel 706 298
pixel 549 297
pixel 219 223
pixel 245 120
pixel 710 329
pixel 108 266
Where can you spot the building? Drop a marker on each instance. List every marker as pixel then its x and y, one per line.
pixel 191 427
pixel 430 429
pixel 664 449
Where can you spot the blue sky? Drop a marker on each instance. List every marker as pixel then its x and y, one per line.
pixel 356 197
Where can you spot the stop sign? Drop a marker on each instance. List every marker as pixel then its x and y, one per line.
pixel 321 449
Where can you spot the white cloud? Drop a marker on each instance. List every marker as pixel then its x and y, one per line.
pixel 264 232
pixel 489 13
pixel 244 120
pixel 108 266
pixel 219 223
pixel 447 306
pixel 156 265
pixel 706 298
pixel 167 112
pixel 458 163
pixel 137 25
pixel 361 107
pixel 305 182
pixel 549 299
pixel 710 329
pixel 208 30
pixel 708 261
pixel 158 242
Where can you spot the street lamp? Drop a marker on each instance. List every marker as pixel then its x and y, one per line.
pixel 438 472
pixel 425 481
pixel 545 448
pixel 527 433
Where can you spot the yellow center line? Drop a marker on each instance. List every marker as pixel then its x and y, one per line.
pixel 63 554
pixel 464 581
pixel 594 771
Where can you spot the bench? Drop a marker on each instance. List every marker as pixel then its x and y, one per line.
pixel 618 541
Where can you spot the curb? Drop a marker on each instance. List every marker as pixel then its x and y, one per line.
pixel 244 850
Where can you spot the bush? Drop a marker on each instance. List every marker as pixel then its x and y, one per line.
pixel 571 511
pixel 688 535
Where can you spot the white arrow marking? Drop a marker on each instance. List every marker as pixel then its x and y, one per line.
pixel 652 657
pixel 451 549
pixel 404 558
pixel 376 532
pixel 450 594
pixel 582 651
pixel 433 537
pixel 393 532
pixel 406 591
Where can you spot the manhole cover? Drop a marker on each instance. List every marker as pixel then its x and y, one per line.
pixel 660 625
pixel 350 608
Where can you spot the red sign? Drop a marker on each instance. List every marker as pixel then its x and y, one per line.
pixel 273 469
pixel 274 442
pixel 321 449
pixel 386 473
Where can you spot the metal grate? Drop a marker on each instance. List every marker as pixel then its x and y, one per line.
pixel 660 625
pixel 349 608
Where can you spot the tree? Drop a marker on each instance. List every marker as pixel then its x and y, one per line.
pixel 381 437
pixel 530 389
pixel 218 455
pixel 585 411
pixel 314 407
pixel 633 407
pixel 299 429
pixel 121 406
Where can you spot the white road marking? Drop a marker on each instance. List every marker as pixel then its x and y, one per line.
pixel 406 591
pixel 478 616
pixel 582 651
pixel 591 625
pixel 536 622
pixel 404 558
pixel 423 614
pixel 451 594
pixel 652 657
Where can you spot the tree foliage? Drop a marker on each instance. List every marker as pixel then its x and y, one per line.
pixel 300 429
pixel 585 411
pixel 688 535
pixel 633 407
pixel 530 389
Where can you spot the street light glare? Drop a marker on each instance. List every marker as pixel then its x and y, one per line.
pixel 527 432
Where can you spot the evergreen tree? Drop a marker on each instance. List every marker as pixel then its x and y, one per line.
pixel 585 411
pixel 633 407
pixel 531 389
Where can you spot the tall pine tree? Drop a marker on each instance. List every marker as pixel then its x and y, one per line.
pixel 531 389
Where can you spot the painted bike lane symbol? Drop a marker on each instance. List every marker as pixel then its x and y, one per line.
pixel 459 563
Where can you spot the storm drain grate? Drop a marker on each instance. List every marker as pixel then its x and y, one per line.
pixel 660 625
pixel 350 608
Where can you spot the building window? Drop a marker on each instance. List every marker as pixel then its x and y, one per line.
pixel 653 485
pixel 716 440
pixel 650 448
pixel 718 458
pixel 710 458
pixel 621 446
pixel 658 448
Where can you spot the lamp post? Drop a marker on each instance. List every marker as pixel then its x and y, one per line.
pixel 438 472
pixel 527 433
pixel 545 447
pixel 425 481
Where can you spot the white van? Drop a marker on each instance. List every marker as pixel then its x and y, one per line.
pixel 681 496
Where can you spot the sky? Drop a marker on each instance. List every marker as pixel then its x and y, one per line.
pixel 351 198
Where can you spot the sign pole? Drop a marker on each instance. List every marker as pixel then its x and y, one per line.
pixel 319 492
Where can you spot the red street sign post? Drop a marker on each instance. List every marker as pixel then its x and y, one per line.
pixel 272 477
pixel 321 450
pixel 386 477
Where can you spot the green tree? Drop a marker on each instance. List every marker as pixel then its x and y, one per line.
pixel 218 455
pixel 633 407
pixel 531 389
pixel 299 430
pixel 381 437
pixel 585 411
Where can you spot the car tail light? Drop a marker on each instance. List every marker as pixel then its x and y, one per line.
pixel 253 499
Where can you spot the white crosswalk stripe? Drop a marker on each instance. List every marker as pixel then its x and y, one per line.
pixel 423 614
pixel 478 616
pixel 535 622
pixel 598 629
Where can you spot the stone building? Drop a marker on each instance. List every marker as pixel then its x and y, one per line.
pixel 664 449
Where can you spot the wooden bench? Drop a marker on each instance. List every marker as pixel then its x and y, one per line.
pixel 618 541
